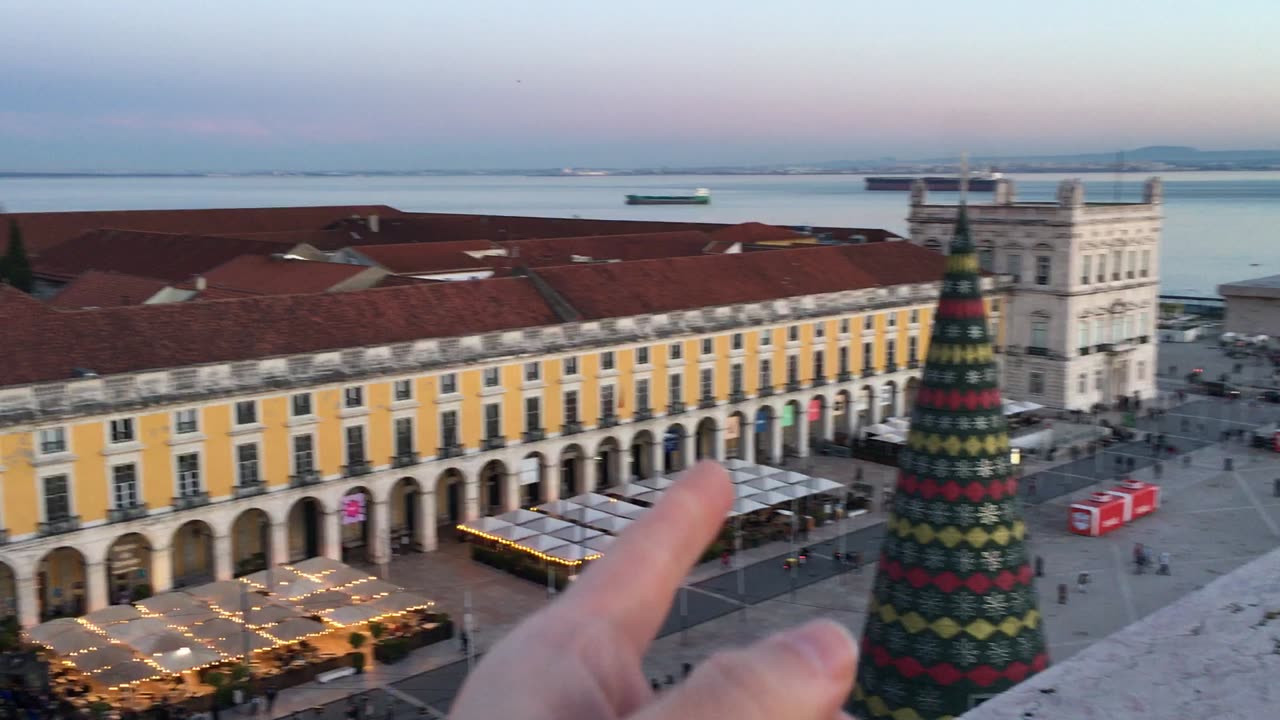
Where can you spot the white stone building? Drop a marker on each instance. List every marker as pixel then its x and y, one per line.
pixel 1084 299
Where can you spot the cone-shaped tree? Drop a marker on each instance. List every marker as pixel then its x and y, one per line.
pixel 15 267
pixel 952 618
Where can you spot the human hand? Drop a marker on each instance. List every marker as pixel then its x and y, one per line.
pixel 580 657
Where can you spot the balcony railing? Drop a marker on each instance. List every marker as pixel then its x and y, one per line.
pixel 249 489
pixel 706 402
pixel 737 396
pixel 571 428
pixel 819 381
pixel 66 524
pixel 793 385
pixel 675 407
pixel 845 376
pixel 405 459
pixel 1040 351
pixel 765 391
pixel 302 479
pixel 891 367
pixel 534 435
pixel 868 372
pixel 355 469
pixel 448 451
pixel 1086 350
pixel 191 500
pixel 121 514
pixel 1143 339
pixel 608 420
pixel 642 414
pixel 493 443
pixel 913 364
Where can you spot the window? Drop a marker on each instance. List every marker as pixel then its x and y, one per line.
pixel 868 359
pixel 1039 333
pixel 492 421
pixel 247 464
pixel 1035 382
pixel 708 347
pixel 355 445
pixel 402 390
pixel 1097 379
pixel 300 404
pixel 1142 369
pixel 403 429
pixel 844 325
pixel 186 421
pixel 571 366
pixel 842 356
pixel 606 401
pixel 1082 383
pixel 766 373
pixel 642 356
pixel 532 371
pixel 913 349
pixel 735 341
pixel 986 259
pixel 532 414
pixel 1117 257
pixel 766 338
pixel 53 440
pixel 353 397
pixel 448 383
pixel 819 329
pixel 246 412
pixel 492 377
pixel 793 369
pixel 124 486
pixel 793 333
pixel 819 365
pixel 1102 267
pixel 449 429
pixel 1145 268
pixel 1042 269
pixel 868 322
pixel 642 395
pixel 57 498
pixel 675 351
pixel 571 406
pixel 915 317
pixel 304 458
pixel 1013 266
pixel 1082 341
pixel 606 360
pixel 122 430
pixel 1085 269
pixel 706 383
pixel 675 388
pixel 1144 322
pixel 1131 270
pixel 188 475
pixel 1117 328
pixel 735 379
pixel 891 353
pixel 892 319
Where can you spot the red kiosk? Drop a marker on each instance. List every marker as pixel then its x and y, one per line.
pixel 1140 498
pixel 1100 514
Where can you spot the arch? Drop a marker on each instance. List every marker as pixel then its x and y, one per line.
pixel 817 412
pixel 764 426
pixel 61 583
pixel 405 513
pixel 791 427
pixel 450 497
pixel 705 447
pixel 641 461
pixel 866 408
pixel 609 465
pixel 532 479
pixel 909 390
pixel 673 448
pixel 572 460
pixel 493 487
pixel 192 553
pixel 355 528
pixel 842 416
pixel 734 427
pixel 250 542
pixel 888 399
pixel 128 568
pixel 8 592
pixel 306 528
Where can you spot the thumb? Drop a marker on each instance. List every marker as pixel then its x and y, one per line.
pixel 800 674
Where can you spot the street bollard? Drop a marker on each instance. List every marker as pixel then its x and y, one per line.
pixel 1228 464
pixel 1062 593
pixel 1040 560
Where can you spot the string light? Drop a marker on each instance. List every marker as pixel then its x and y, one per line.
pixel 529 551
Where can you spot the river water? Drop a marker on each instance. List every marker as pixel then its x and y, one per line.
pixel 1219 226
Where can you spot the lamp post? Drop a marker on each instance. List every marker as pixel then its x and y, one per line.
pixel 1015 460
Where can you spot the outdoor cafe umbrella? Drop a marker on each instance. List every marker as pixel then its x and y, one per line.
pixel 650 497
pixel 575 533
pixel 660 482
pixel 541 543
pixel 743 490
pixel 590 499
pixel 186 658
pixel 268 614
pixel 345 576
pixel 225 594
pixel 741 476
pixel 600 543
pixel 623 509
pixel 318 565
pixel 112 614
pixel 631 489
pixel 764 483
pixel 736 463
pixel 74 641
pixel 372 588
pixel 126 673
pixel 822 485
pixel 519 516
pixel 770 498
pixel 294 629
pixel 573 553
pixel 487 524
pixel 742 506
pixel 611 524
pixel 134 629
pixel 547 525
pixel 399 602
pixel 301 587
pixel 794 491
pixel 102 657
pixel 170 602
pixel 268 579
pixel 216 629
pixel 557 507
pixel 161 642
pixel 514 533
pixel 44 632
pixel 322 602
pixel 586 516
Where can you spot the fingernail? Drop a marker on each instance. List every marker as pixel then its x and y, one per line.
pixel 827 645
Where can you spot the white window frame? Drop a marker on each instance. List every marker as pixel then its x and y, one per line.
pixel 182 478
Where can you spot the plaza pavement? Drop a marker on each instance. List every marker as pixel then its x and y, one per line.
pixel 1211 521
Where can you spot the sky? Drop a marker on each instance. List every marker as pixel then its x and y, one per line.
pixel 240 85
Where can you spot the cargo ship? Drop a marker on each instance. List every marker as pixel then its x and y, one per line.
pixel 701 196
pixel 985 182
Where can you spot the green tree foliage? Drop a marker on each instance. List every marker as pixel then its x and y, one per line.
pixel 15 267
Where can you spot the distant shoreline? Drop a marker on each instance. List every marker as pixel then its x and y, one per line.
pixel 601 173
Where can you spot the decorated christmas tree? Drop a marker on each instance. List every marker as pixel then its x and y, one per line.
pixel 952 618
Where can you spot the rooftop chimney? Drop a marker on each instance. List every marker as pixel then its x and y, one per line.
pixel 201 283
pixel 373 223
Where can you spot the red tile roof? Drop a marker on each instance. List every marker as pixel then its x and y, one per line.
pixel 544 252
pixel 45 230
pixel 164 256
pixel 755 232
pixel 421 258
pixel 327 240
pixel 620 289
pixel 97 288
pixel 47 345
pixel 267 275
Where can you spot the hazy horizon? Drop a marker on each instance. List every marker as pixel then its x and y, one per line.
pixel 321 85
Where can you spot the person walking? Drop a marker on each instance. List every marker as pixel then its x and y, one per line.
pixel 271 699
pixel 1082 583
pixel 1138 556
pixel 370 708
pixel 1164 563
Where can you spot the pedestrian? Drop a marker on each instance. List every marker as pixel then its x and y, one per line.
pixel 686 669
pixel 1164 563
pixel 724 558
pixel 464 641
pixel 653 683
pixel 370 707
pixel 1082 582
pixel 671 680
pixel 1062 593
pixel 271 698
pixel 857 562
pixel 353 712
pixel 1148 557
pixel 1137 553
pixel 1039 566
